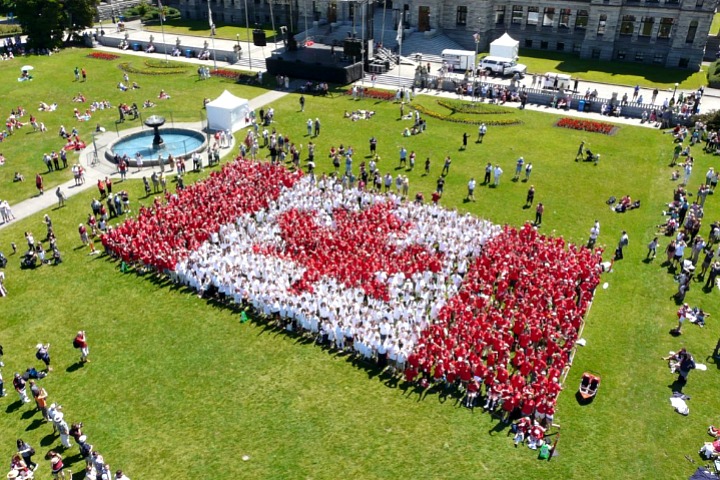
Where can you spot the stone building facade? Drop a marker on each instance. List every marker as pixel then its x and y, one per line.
pixel 672 33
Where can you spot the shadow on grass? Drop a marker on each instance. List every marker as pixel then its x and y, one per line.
pixel 34 425
pixel 74 367
pixel 28 414
pixel 47 440
pixel 14 407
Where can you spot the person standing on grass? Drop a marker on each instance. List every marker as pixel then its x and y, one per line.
pixel 528 171
pixel 464 140
pixel 302 103
pixel 20 386
pixel 446 166
pixel 57 467
pixel 427 166
pixel 496 174
pixel 539 213
pixel 530 196
pixel 488 173
pixel 39 183
pixel 581 151
pixel 518 168
pixel 652 249
pixel 26 452
pixel 42 353
pixel 80 342
pixel 624 241
pixel 482 130
pixel 471 190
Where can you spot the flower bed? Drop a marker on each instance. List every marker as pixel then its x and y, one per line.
pixel 103 56
pixel 224 73
pixel 587 125
pixel 375 93
pixel 455 118
pixel 476 108
pixel 152 69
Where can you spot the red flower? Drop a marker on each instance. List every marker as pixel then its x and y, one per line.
pixel 375 93
pixel 586 125
pixel 103 56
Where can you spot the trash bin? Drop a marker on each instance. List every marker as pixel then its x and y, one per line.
pixel 188 53
pixel 588 106
pixel 581 106
pixel 136 47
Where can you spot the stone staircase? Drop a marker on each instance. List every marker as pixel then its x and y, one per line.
pixel 106 10
pixel 389 80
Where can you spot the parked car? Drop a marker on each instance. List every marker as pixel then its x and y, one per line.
pixel 502 66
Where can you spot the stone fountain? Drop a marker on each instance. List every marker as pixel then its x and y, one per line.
pixel 155 122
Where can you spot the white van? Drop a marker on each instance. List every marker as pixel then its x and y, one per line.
pixel 563 81
pixel 459 59
pixel 502 66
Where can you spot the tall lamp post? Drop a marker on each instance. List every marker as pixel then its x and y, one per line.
pixel 476 37
pixel 675 91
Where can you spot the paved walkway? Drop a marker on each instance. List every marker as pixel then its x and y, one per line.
pixel 103 168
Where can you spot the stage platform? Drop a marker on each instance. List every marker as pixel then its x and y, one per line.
pixel 317 62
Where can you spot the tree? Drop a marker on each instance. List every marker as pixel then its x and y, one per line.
pixel 45 21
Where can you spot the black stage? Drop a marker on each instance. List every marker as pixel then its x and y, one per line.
pixel 317 62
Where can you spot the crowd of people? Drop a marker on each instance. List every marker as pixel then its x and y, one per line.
pixel 499 307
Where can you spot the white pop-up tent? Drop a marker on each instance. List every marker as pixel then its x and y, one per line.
pixel 506 47
pixel 227 112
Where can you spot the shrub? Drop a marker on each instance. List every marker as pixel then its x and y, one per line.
pixel 466 118
pixel 714 74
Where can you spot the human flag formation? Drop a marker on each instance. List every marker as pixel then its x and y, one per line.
pixel 437 293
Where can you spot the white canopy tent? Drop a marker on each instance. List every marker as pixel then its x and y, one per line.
pixel 228 112
pixel 506 47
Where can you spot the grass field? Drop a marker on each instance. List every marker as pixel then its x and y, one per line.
pixel 621 73
pixel 201 28
pixel 178 388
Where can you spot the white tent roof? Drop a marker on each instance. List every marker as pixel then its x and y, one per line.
pixel 227 100
pixel 505 41
pixel 227 112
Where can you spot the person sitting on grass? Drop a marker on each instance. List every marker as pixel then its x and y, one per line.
pixel 19 177
pixel 147 103
pixel 163 95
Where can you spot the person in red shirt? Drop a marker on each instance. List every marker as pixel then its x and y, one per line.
pixel 472 393
pixel 80 342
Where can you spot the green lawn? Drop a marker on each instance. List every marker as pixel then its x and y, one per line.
pixel 54 82
pixel 622 73
pixel 202 28
pixel 182 375
pixel 715 27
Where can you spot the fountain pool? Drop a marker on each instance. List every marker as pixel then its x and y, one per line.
pixel 180 142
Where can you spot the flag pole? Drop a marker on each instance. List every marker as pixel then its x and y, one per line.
pixel 247 31
pixel 162 27
pixel 212 35
pixel 399 38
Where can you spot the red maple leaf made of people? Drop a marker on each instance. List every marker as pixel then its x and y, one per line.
pixel 354 250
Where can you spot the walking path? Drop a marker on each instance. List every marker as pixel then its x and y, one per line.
pixel 103 168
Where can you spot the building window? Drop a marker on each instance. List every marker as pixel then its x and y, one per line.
pixel 692 30
pixel 646 26
pixel 548 17
pixel 461 18
pixel 544 44
pixel 666 25
pixel 528 43
pixel 672 2
pixel 533 15
pixel 601 25
pixel 581 20
pixel 659 58
pixel 621 54
pixel 699 3
pixel 564 23
pixel 639 56
pixel 577 47
pixel 627 25
pixel 560 47
pixel 684 62
pixel 500 14
pixel 595 54
pixel 517 15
